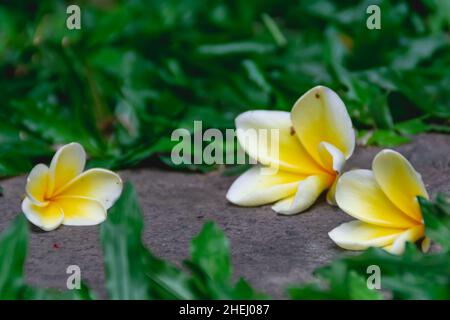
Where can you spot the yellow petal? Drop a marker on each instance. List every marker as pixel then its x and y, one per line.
pixel 410 235
pixel 358 194
pixel 399 181
pixel 358 235
pixel 99 184
pixel 80 211
pixel 308 191
pixel 320 116
pixel 254 133
pixel 47 218
pixel 37 184
pixel 253 188
pixel 68 162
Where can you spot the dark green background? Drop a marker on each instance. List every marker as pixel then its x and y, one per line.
pixel 139 69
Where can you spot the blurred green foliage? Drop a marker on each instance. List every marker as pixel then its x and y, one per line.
pixel 413 275
pixel 138 69
pixel 133 272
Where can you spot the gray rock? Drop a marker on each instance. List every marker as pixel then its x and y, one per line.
pixel 272 252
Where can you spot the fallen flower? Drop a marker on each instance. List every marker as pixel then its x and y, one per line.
pixel 385 203
pixel 64 194
pixel 315 140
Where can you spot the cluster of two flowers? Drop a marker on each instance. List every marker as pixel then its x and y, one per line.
pixel 316 139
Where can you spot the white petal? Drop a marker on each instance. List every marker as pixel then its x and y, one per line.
pixel 331 194
pixel 321 116
pixel 80 211
pixel 67 163
pixel 358 194
pixel 99 184
pixel 400 182
pixel 253 188
pixel 308 191
pixel 358 235
pixel 331 157
pixel 47 218
pixel 257 132
pixel 37 185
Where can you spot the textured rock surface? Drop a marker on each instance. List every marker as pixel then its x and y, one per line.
pixel 270 251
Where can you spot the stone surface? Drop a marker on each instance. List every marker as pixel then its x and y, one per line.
pixel 270 251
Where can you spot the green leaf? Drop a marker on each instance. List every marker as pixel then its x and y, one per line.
pixel 274 30
pixel 243 291
pixel 338 283
pixel 124 255
pixel 387 138
pixel 84 293
pixel 167 281
pixel 419 49
pixel 437 219
pixel 210 265
pixel 17 148
pixel 132 272
pixel 440 128
pixel 413 126
pixel 13 251
pixel 256 75
pixel 413 275
pixel 244 47
pixel 210 250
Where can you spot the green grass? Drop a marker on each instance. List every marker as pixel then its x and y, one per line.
pixel 139 69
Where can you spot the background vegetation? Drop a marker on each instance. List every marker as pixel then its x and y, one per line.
pixel 138 69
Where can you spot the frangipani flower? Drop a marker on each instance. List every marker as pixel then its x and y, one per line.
pixel 64 194
pixel 385 203
pixel 315 140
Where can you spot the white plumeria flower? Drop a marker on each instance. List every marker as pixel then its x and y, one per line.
pixel 64 194
pixel 315 140
pixel 385 203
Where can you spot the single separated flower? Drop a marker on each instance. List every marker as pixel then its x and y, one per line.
pixel 315 140
pixel 385 203
pixel 64 194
